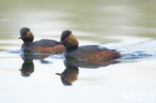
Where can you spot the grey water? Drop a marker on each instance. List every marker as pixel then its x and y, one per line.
pixel 125 25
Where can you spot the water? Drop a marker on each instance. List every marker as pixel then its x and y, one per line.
pixel 125 25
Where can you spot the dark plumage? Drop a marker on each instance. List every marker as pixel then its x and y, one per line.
pixel 88 52
pixel 41 46
pixel 65 34
pixel 27 69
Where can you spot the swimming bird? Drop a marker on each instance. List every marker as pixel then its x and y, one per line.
pixel 41 46
pixel 86 52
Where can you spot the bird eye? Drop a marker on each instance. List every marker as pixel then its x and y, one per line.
pixel 25 34
pixel 65 39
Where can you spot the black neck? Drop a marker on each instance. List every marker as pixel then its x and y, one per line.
pixel 28 39
pixel 72 48
pixel 28 42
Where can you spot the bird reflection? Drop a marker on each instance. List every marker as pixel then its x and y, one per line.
pixel 27 68
pixel 28 65
pixel 70 74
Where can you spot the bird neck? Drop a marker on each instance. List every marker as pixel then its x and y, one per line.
pixel 72 48
pixel 28 42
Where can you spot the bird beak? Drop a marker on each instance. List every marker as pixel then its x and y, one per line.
pixel 59 74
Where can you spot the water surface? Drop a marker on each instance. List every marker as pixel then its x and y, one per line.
pixel 125 25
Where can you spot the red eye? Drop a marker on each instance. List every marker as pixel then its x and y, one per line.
pixel 65 39
pixel 65 78
pixel 25 34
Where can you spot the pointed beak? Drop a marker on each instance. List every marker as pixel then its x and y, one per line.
pixel 59 74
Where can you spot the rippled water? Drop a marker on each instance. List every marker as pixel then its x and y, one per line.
pixel 125 25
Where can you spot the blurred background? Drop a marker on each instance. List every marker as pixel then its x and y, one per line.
pixel 93 19
pixel 126 25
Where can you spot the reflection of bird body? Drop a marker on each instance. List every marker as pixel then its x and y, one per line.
pixel 28 65
pixel 87 52
pixel 70 74
pixel 87 63
pixel 26 54
pixel 41 46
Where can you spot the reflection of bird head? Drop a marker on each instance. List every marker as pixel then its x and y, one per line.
pixel 69 75
pixel 27 69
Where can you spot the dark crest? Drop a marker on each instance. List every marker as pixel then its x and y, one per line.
pixel 65 34
pixel 24 31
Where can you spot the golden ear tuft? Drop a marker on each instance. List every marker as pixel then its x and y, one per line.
pixel 29 35
pixel 72 40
